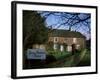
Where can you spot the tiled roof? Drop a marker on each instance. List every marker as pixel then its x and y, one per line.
pixel 66 33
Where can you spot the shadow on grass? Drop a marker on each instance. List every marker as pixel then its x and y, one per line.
pixel 61 60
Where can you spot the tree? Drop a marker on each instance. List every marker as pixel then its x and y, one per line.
pixel 70 20
pixel 34 29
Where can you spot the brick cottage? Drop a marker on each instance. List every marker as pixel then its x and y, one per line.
pixel 63 40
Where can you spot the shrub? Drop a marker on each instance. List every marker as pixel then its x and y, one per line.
pixel 50 58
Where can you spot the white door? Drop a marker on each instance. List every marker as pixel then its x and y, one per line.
pixel 55 46
pixel 61 47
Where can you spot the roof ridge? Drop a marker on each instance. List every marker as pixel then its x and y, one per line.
pixel 66 33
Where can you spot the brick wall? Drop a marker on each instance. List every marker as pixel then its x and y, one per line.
pixel 69 41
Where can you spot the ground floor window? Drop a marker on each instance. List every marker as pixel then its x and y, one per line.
pixel 55 46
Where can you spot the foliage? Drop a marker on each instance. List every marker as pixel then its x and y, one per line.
pixel 70 20
pixel 58 54
pixel 49 46
pixel 34 29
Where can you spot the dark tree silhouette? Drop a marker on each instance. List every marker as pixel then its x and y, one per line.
pixel 71 20
pixel 34 30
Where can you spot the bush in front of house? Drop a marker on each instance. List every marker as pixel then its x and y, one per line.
pixel 49 46
pixel 50 59
pixel 58 54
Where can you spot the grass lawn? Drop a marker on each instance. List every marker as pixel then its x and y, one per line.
pixel 59 55
pixel 86 61
pixel 65 59
pixel 62 59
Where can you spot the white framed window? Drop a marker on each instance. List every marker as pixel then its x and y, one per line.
pixel 74 40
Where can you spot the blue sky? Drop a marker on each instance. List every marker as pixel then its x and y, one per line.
pixel 55 21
